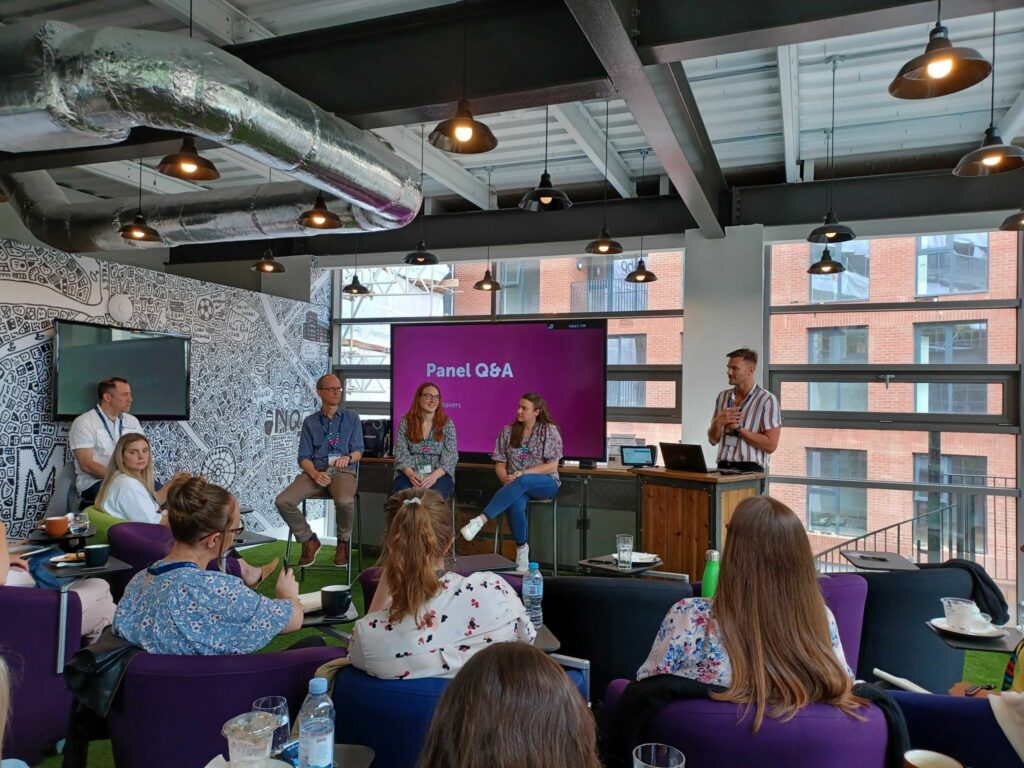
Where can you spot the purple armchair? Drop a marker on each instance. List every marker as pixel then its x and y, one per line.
pixel 845 594
pixel 170 709
pixel 709 733
pixel 40 702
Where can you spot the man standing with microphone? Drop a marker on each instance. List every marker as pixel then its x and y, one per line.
pixel 747 422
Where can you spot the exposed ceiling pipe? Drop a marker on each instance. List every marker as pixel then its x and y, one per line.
pixel 67 87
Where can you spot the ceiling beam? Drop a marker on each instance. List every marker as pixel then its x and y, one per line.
pixel 438 166
pixel 127 172
pixel 789 96
pixel 663 105
pixel 666 35
pixel 218 20
pixel 582 129
pixel 1012 124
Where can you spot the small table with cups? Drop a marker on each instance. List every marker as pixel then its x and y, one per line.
pixel 964 627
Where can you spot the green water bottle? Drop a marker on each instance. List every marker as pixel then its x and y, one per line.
pixel 709 583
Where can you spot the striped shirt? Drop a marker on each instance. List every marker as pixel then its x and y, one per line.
pixel 759 412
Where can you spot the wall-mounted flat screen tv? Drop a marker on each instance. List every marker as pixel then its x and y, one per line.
pixel 483 368
pixel 156 365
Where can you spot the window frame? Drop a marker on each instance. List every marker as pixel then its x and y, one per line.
pixel 920 251
pixel 820 489
pixel 841 278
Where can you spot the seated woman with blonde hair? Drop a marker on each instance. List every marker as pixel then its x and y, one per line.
pixel 423 622
pixel 767 635
pixel 544 721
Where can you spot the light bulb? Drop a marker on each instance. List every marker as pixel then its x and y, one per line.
pixel 830 235
pixel 189 167
pixel 463 132
pixel 641 278
pixel 546 200
pixel 138 234
pixel 603 247
pixel 939 68
pixel 319 219
pixel 993 159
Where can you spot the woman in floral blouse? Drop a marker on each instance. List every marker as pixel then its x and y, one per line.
pixel 420 623
pixel 526 456
pixel 767 635
pixel 426 450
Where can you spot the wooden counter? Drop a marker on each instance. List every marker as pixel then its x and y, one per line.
pixel 683 514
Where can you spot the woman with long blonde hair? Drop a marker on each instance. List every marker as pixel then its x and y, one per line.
pixel 767 635
pixel 424 622
pixel 128 488
pixel 426 447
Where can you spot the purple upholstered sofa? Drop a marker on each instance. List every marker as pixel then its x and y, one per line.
pixel 40 702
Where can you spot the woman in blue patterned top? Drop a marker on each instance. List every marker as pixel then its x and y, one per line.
pixel 178 607
pixel 426 450
pixel 526 456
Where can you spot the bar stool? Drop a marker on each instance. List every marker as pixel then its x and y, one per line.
pixel 357 535
pixel 554 529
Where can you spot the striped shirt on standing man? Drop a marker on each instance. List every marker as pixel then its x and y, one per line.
pixel 758 413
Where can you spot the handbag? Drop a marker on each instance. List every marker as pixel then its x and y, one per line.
pixel 376 438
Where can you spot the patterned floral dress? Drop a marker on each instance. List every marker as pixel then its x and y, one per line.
pixel 466 615
pixel 688 644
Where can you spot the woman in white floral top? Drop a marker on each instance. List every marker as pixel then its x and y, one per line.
pixel 526 456
pixel 420 623
pixel 767 635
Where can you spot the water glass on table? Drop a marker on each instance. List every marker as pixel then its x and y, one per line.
pixel 624 550
pixel 658 756
pixel 250 737
pixel 79 522
pixel 278 707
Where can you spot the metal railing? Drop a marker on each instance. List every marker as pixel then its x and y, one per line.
pixel 607 296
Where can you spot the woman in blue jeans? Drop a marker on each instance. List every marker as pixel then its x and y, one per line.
pixel 426 448
pixel 526 456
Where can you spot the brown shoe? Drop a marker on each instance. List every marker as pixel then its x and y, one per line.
pixel 341 554
pixel 309 550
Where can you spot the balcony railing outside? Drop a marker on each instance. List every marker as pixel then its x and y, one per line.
pixel 607 296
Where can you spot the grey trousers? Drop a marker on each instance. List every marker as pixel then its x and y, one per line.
pixel 342 489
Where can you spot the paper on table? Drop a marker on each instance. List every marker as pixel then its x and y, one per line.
pixel 640 557
pixel 899 682
pixel 310 602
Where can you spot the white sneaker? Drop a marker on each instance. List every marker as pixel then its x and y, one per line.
pixel 471 529
pixel 523 558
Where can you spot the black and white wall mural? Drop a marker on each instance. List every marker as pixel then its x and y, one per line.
pixel 255 362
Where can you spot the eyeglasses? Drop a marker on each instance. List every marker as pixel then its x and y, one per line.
pixel 330 389
pixel 430 397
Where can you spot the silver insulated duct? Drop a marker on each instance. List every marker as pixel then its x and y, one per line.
pixel 67 87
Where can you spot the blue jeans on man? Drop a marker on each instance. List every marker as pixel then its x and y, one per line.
pixel 514 497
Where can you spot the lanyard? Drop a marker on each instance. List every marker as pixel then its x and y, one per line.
pixel 103 421
pixel 325 425
pixel 158 570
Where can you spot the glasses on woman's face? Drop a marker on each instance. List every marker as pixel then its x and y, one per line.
pixel 430 397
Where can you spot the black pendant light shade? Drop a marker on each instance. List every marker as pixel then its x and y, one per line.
pixel 942 69
pixel 641 274
pixel 488 283
pixel 604 245
pixel 139 231
pixel 268 265
pixel 355 288
pixel 992 157
pixel 463 134
pixel 421 255
pixel 545 197
pixel 188 164
pixel 825 265
pixel 1014 222
pixel 831 231
pixel 319 216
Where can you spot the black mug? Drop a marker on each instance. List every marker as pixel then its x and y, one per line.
pixel 96 555
pixel 335 599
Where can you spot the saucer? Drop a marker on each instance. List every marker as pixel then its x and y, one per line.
pixel 640 558
pixel 992 631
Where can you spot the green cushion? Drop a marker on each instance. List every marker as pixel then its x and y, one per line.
pixel 101 521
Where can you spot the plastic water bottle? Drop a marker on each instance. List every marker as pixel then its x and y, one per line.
pixel 709 582
pixel 316 727
pixel 533 594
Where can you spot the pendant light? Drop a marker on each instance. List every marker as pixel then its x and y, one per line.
pixel 993 156
pixel 319 216
pixel 942 69
pixel 355 288
pixel 604 245
pixel 1014 222
pixel 641 274
pixel 139 230
pixel 463 134
pixel 267 264
pixel 488 283
pixel 831 231
pixel 188 164
pixel 545 197
pixel 825 265
pixel 421 256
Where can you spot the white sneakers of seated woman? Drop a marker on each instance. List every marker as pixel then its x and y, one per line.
pixel 472 528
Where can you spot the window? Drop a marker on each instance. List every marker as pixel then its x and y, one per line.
pixel 520 286
pixel 851 285
pixel 957 521
pixel 627 350
pixel 945 343
pixel 605 288
pixel 837 346
pixel 835 509
pixel 955 263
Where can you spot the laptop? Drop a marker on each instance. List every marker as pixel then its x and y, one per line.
pixel 684 458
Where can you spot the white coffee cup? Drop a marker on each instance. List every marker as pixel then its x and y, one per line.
pixel 925 758
pixel 959 612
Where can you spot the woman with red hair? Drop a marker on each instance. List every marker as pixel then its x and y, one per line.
pixel 426 450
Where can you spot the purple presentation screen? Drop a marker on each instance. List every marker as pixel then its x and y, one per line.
pixel 482 369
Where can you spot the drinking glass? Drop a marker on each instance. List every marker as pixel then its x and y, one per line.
pixel 249 738
pixel 624 550
pixel 79 522
pixel 278 707
pixel 658 756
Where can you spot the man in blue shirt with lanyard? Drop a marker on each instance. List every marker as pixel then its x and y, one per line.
pixel 330 446
pixel 94 434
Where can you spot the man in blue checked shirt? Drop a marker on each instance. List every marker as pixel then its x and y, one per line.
pixel 330 446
